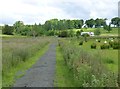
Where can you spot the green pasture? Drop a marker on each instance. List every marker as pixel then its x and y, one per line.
pixel 114 31
pixel 106 54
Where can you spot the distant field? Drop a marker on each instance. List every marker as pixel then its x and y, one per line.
pixel 114 31
pixel 111 54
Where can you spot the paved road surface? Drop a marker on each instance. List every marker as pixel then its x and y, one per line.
pixel 42 73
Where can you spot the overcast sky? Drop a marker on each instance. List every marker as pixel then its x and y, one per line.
pixel 38 11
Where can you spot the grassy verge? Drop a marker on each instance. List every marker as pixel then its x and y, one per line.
pixel 64 77
pixel 19 71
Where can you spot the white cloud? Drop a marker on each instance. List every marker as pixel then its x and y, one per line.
pixel 31 11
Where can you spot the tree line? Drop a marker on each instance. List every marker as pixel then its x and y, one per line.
pixel 51 27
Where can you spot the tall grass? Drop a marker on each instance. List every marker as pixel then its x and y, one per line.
pixel 16 51
pixel 88 69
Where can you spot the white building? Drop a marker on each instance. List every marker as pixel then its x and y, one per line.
pixel 89 33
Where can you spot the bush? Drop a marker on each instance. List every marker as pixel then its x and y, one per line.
pixel 97 32
pixel 109 61
pixel 114 44
pixel 105 46
pixel 63 34
pixel 111 43
pixel 78 34
pixel 81 43
pixel 50 33
pixel 93 46
pixel 8 30
pixel 70 33
pixel 107 27
pixel 99 40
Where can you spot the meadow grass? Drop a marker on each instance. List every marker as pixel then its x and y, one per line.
pixel 88 66
pixel 107 54
pixel 19 54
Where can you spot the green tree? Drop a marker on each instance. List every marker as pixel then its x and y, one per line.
pixel 78 23
pixel 70 24
pixel 115 21
pixel 48 25
pixel 63 33
pixel 90 23
pixel 108 27
pixel 18 26
pixel 27 30
pixel 7 30
pixel 35 30
pixel 100 22
pixel 61 25
pixel 54 24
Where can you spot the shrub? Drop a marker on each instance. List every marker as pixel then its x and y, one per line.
pixel 70 33
pixel 51 33
pixel 116 45
pixel 104 46
pixel 99 40
pixel 93 46
pixel 78 34
pixel 81 43
pixel 107 27
pixel 109 61
pixel 85 36
pixel 111 43
pixel 8 30
pixel 97 32
pixel 63 34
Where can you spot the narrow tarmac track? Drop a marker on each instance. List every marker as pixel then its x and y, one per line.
pixel 42 73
